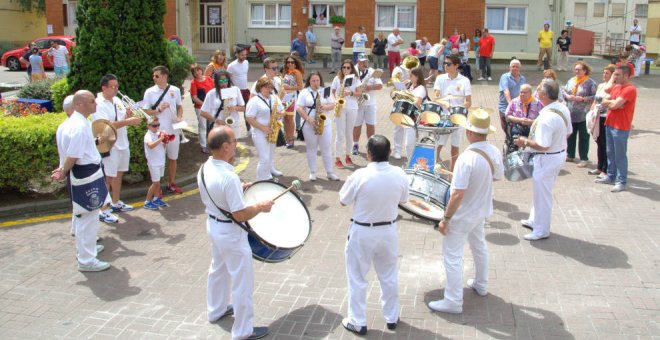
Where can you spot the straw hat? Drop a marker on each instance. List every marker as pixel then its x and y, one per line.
pixel 477 120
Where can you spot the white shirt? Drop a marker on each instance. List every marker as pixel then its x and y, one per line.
pixel 391 39
pixel 472 174
pixel 78 140
pixel 635 37
pixel 423 48
pixel 550 130
pixel 224 186
pixel 212 102
pixel 58 140
pixel 419 92
pixel 155 156
pixel 239 73
pixel 260 110
pixel 277 83
pixel 306 100
pixel 351 101
pixel 168 116
pixel 59 56
pixel 376 191
pixel 359 41
pixel 370 81
pixel 459 86
pixel 435 50
pixel 403 74
pixel 112 110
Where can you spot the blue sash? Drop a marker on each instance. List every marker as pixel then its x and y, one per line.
pixel 88 188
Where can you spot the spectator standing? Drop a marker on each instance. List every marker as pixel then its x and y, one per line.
pixel 545 45
pixel 59 57
pixel 378 51
pixel 298 46
pixel 310 36
pixel 199 87
pixel 602 92
pixel 454 39
pixel 486 48
pixel 394 41
pixel 424 47
pixel 238 72
pixel 635 33
pixel 25 59
pixel 336 43
pixel 475 39
pixel 463 48
pixel 563 45
pixel 579 93
pixel 218 62
pixel 36 65
pixel 359 40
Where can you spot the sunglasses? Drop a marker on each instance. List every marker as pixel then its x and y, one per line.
pixel 154 125
pixel 114 87
pixel 290 62
pixel 225 80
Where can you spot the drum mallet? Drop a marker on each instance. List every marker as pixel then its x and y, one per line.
pixel 438 169
pixel 294 185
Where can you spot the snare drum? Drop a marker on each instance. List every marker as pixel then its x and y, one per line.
pixel 404 113
pixel 276 236
pixel 431 113
pixel 458 110
pixel 428 195
pixel 517 166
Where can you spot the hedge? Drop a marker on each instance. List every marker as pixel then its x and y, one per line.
pixel 28 149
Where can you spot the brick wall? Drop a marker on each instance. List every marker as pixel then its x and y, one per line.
pixel 465 15
pixel 298 19
pixel 169 20
pixel 428 20
pixel 360 12
pixel 55 16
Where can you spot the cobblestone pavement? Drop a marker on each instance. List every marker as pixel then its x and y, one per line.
pixel 596 277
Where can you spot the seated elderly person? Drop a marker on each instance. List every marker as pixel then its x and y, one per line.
pixel 520 114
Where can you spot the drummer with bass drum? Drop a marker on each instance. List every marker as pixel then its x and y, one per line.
pixel 231 271
pixel 452 90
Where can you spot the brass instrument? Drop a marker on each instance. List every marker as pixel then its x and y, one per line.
pixel 403 95
pixel 274 124
pixel 320 117
pixel 408 63
pixel 132 105
pixel 340 101
pixel 365 96
pixel 226 114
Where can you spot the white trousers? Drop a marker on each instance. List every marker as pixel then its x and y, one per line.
pixel 406 135
pixel 266 152
pixel 452 250
pixel 546 170
pixel 314 142
pixel 367 245
pixel 231 272
pixel 344 125
pixel 201 128
pixel 87 228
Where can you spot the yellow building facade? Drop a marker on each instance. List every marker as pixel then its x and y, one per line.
pixel 19 28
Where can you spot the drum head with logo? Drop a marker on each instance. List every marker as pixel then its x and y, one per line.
pixel 428 195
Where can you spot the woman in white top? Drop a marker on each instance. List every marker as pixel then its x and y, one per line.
pixel 463 47
pixel 418 88
pixel 345 122
pixel 306 108
pixel 222 102
pixel 258 113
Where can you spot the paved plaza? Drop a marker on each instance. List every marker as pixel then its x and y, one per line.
pixel 596 277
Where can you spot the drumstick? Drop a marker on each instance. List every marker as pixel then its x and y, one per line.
pixel 438 168
pixel 294 185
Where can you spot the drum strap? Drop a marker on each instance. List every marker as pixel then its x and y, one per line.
pixel 224 212
pixel 485 156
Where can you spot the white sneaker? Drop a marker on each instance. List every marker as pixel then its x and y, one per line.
pixel 312 177
pixel 470 283
pixel 397 155
pixel 107 216
pixel 333 177
pixel 445 307
pixel 489 78
pixel 275 172
pixel 534 237
pixel 526 223
pixel 96 266
pixel 481 78
pixel 99 248
pixel 618 187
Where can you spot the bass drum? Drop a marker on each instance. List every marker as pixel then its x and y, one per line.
pixel 428 195
pixel 279 234
pixel 404 113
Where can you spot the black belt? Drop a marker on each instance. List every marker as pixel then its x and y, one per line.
pixel 377 224
pixel 548 153
pixel 219 220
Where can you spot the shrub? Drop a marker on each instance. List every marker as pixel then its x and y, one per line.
pixel 179 63
pixel 337 19
pixel 39 89
pixel 59 91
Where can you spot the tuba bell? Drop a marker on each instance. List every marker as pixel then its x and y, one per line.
pixel 410 62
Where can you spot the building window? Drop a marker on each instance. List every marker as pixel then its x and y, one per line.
pixel 599 10
pixel 323 13
pixel 641 10
pixel 506 19
pixel 581 9
pixel 390 16
pixel 270 15
pixel 618 10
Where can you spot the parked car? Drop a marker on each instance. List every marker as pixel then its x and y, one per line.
pixel 11 59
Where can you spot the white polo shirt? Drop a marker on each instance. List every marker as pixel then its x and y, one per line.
pixel 403 74
pixel 168 116
pixel 212 102
pixel 277 83
pixel 259 108
pixel 155 156
pixel 391 39
pixel 78 140
pixel 59 56
pixel 112 110
pixel 58 139
pixel 472 174
pixel 376 191
pixel 223 185
pixel 550 130
pixel 351 101
pixel 306 100
pixel 459 86
pixel 420 92
pixel 370 81
pixel 239 73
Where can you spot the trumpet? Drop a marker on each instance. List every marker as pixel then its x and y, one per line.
pixel 132 105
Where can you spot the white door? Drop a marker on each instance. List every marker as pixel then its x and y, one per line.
pixel 72 23
pixel 212 25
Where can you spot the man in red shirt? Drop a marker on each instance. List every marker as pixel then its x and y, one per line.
pixel 486 47
pixel 199 86
pixel 618 123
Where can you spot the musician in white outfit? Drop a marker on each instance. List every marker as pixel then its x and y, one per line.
pixel 452 83
pixel 346 121
pixel 470 203
pixel 376 191
pixel 366 113
pixel 547 141
pixel 401 74
pixel 257 113
pixel 222 102
pixel 271 71
pixel 231 273
pixel 306 108
pixel 418 89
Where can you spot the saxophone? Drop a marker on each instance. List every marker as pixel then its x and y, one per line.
pixel 320 117
pixel 340 101
pixel 227 115
pixel 274 124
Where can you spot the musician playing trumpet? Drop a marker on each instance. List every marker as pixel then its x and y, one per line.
pixel 366 113
pixel 314 107
pixel 259 114
pixel 345 117
pixel 223 104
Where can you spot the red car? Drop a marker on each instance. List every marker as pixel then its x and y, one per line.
pixel 11 59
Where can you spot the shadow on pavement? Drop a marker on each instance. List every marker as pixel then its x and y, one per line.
pixel 115 249
pixel 141 229
pixel 644 188
pixel 110 285
pixel 590 254
pixel 502 239
pixel 500 319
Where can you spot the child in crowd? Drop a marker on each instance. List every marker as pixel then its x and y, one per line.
pixel 154 150
pixel 412 50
